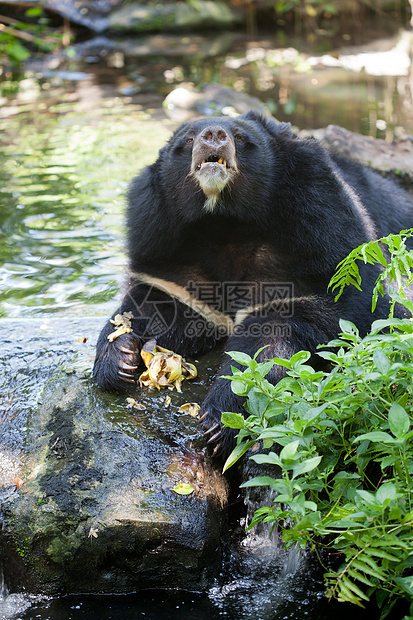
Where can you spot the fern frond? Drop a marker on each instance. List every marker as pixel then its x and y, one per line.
pixel 401 265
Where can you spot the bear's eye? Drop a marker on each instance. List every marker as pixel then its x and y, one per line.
pixel 238 137
pixel 189 140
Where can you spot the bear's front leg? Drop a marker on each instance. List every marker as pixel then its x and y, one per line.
pixel 154 314
pixel 116 361
pixel 305 324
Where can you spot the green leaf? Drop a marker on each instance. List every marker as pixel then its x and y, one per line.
pixel 382 324
pixel 306 466
pixel 352 586
pixel 372 569
pixel 347 327
pixel 381 361
pixel 183 489
pixel 360 577
pixel 16 51
pixel 289 451
pixel 406 584
pixel 257 402
pixel 282 362
pixel 372 563
pixel 301 356
pixel 398 421
pixel 310 505
pixel 314 412
pixel 407 518
pixel 34 12
pixel 265 367
pixel 272 458
pixel 386 492
pixel 387 461
pixel 233 420
pixel 379 553
pixel 259 481
pixel 239 387
pixel 368 498
pixel 237 453
pixel 347 596
pixel 345 475
pixel 241 358
pixel 379 436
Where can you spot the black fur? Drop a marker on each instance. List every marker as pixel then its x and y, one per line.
pixel 282 210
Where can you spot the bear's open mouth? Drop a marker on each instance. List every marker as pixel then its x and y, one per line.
pixel 213 159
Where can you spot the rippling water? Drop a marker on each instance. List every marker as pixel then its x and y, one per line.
pixel 62 178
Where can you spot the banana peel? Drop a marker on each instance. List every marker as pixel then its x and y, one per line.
pixel 164 368
pixel 191 408
pixel 123 324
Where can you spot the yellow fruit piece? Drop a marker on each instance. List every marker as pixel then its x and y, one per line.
pixel 164 368
pixel 191 408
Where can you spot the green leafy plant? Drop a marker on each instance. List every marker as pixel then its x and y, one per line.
pixel 337 446
pixel 18 40
pixel 397 271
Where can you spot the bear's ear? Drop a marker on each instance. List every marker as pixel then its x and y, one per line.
pixel 273 127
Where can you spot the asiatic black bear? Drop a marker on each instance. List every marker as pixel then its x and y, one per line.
pixel 234 233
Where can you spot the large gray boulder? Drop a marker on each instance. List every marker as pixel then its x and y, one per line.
pixel 187 102
pixel 96 510
pixel 395 156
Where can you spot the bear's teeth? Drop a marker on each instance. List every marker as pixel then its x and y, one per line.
pixel 221 161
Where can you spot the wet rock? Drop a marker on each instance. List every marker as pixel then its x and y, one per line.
pixel 98 477
pixel 159 45
pixel 203 14
pixel 186 102
pixel 395 157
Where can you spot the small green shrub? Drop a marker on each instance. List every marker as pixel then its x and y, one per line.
pixel 19 39
pixel 339 443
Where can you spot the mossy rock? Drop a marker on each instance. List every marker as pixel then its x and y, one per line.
pixel 97 492
pixel 180 16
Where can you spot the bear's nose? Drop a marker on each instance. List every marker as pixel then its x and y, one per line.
pixel 214 136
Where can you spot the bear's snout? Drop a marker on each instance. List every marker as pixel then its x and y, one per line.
pixel 214 137
pixel 213 161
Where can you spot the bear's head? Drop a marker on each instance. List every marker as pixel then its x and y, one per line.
pixel 212 171
pixel 223 157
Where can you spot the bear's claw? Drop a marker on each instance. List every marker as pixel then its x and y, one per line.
pixel 216 450
pixel 128 367
pixel 125 350
pixel 212 428
pixel 126 377
pixel 215 437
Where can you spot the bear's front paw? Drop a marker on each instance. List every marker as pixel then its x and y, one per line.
pixel 116 362
pixel 220 399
